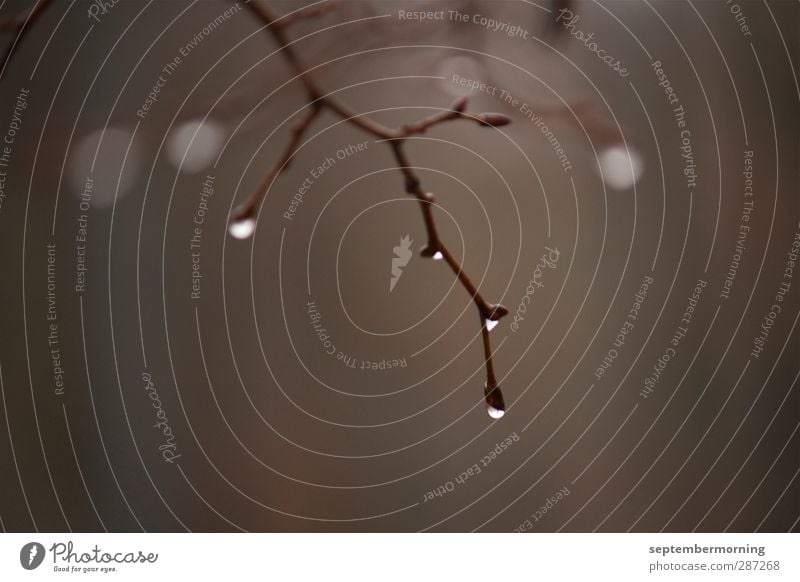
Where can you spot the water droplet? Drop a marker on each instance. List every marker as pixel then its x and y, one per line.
pixel 242 228
pixel 495 404
pixel 429 251
pixel 494 412
pixel 491 324
pixel 620 167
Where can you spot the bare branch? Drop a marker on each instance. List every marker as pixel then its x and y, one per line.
pixel 395 137
pixel 20 24
pixel 248 209
pixel 306 12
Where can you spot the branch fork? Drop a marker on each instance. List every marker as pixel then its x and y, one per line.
pixel 243 216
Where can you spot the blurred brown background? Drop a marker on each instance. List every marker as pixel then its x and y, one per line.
pixel 269 432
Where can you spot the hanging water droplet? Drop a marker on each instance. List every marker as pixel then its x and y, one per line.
pixel 430 251
pixel 495 405
pixel 494 412
pixel 242 228
pixel 490 324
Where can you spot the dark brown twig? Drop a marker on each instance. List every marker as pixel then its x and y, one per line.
pixel 20 24
pixel 248 209
pixel 243 217
pixel 307 12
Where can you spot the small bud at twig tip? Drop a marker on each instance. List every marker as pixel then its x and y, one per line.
pixel 493 119
pixel 497 312
pixel 460 105
pixel 495 404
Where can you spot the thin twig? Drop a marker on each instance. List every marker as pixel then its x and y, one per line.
pixel 495 405
pixel 248 208
pixel 395 137
pixel 20 24
pixel 307 12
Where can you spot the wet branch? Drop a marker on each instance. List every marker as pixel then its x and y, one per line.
pixel 243 217
pixel 19 25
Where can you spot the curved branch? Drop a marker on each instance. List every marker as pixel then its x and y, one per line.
pixel 20 24
pixel 395 137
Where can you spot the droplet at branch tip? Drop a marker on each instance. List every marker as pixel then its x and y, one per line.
pixel 242 228
pixel 431 251
pixel 243 223
pixel 495 405
pixel 495 413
